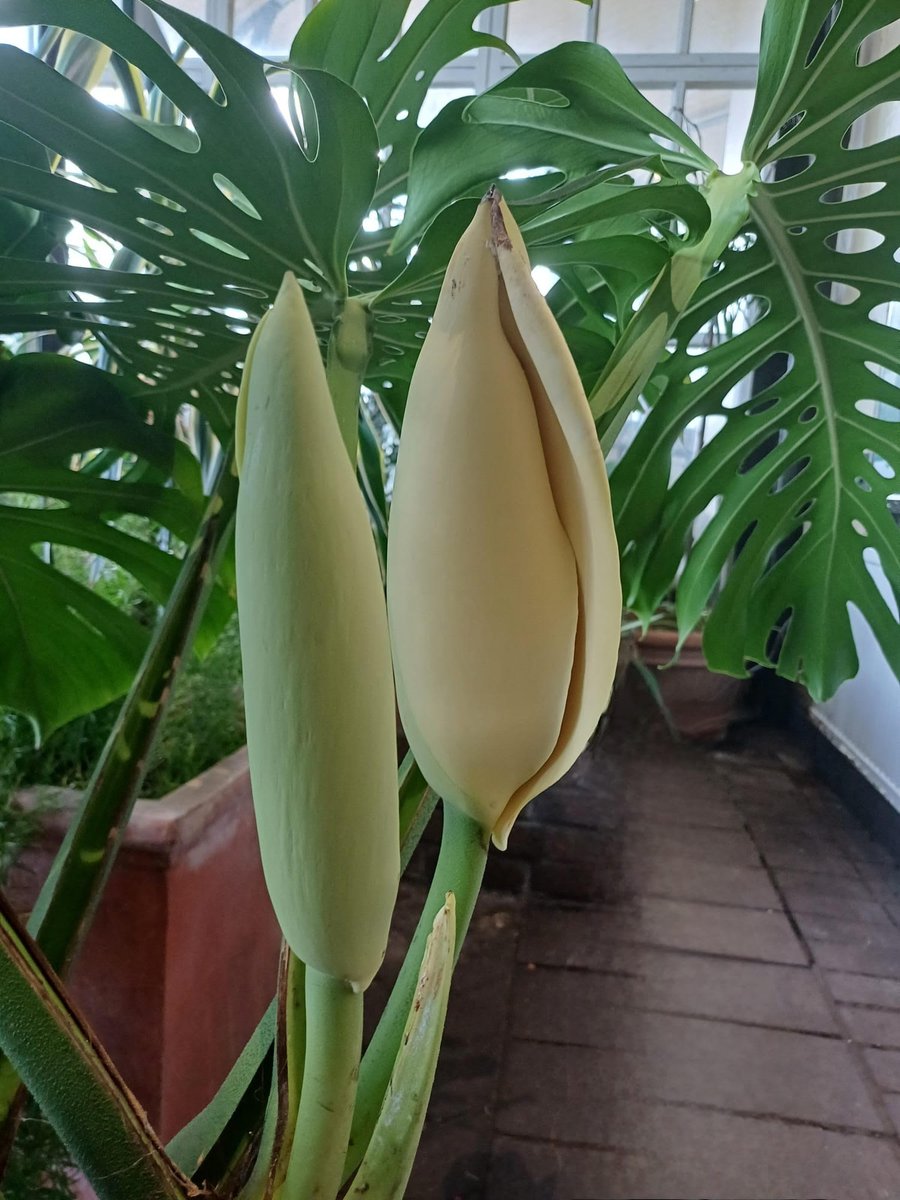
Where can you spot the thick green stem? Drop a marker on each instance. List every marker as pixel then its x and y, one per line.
pixel 334 1015
pixel 69 897
pixel 348 356
pixel 460 869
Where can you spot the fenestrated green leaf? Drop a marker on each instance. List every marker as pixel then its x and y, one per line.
pixel 363 43
pixel 218 225
pixel 51 409
pixel 805 393
pixel 572 109
pixel 75 1083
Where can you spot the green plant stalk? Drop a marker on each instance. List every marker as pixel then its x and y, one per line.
pixel 69 897
pixel 641 346
pixel 334 1016
pixel 74 1082
pixel 247 1090
pixel 460 869
pixel 349 348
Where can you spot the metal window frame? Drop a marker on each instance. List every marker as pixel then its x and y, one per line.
pixel 678 71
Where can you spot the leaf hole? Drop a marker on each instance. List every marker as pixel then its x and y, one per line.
pixel 851 192
pixel 157 348
pixel 875 126
pixel 838 293
pixel 256 293
pixel 790 167
pixel 809 414
pixel 884 373
pixel 854 241
pixel 762 450
pixel 788 127
pixel 743 242
pixel 862 484
pixel 157 198
pixel 155 226
pixel 804 508
pixel 881 465
pixel 882 412
pixel 789 474
pixel 235 196
pixel 859 527
pixel 885 314
pixel 219 244
pixel 172 260
pixel 823 32
pixel 878 44
pixel 183 287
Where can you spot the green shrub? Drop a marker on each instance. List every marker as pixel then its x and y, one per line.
pixel 204 722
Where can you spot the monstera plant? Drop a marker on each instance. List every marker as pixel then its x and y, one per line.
pixel 369 232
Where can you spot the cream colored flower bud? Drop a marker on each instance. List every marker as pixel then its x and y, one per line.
pixel 317 667
pixel 503 573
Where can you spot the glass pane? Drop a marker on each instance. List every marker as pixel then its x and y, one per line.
pixel 435 100
pixel 640 26
pixel 536 25
pixel 718 120
pixel 196 8
pixel 727 26
pixel 660 97
pixel 268 27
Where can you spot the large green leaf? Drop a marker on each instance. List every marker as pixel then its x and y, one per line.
pixel 52 409
pixel 572 121
pixel 805 458
pixel 217 210
pixel 572 109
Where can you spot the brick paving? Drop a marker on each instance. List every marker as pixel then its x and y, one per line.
pixel 689 988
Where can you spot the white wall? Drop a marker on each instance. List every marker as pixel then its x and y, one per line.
pixel 863 717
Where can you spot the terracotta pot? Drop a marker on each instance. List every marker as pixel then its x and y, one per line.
pixel 702 703
pixel 181 960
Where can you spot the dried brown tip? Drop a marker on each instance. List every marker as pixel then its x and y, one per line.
pixel 499 236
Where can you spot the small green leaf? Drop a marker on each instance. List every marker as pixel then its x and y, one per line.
pixel 388 1161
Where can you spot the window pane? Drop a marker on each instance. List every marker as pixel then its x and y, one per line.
pixel 640 26
pixel 268 27
pixel 435 100
pixel 196 8
pixel 536 25
pixel 718 121
pixel 730 28
pixel 660 97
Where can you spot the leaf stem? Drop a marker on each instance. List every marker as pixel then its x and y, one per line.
pixel 349 348
pixel 334 1015
pixel 460 869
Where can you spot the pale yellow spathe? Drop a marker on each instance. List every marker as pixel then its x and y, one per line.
pixel 503 583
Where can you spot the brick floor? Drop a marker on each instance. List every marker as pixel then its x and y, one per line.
pixel 695 995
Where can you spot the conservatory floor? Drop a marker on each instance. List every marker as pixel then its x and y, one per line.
pixel 690 987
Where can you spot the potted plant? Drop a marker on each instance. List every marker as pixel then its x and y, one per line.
pixel 649 241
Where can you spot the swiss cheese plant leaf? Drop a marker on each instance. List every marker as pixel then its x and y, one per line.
pixel 802 397
pixel 572 109
pixel 391 61
pixel 53 409
pixel 214 208
pixel 595 174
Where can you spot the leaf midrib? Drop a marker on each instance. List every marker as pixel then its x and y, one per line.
pixel 785 256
